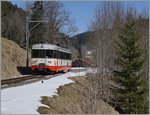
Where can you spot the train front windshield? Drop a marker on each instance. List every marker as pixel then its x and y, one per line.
pixel 39 53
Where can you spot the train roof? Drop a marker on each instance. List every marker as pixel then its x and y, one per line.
pixel 50 46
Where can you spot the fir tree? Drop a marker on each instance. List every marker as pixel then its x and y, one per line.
pixel 131 95
pixel 36 35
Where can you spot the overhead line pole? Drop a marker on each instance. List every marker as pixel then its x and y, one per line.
pixel 27 41
pixel 27 36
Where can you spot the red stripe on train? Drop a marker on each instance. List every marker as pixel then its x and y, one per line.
pixel 53 68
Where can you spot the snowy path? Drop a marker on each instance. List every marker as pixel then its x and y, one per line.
pixel 26 99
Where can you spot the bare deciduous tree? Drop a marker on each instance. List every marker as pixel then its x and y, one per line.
pixel 58 21
pixel 108 20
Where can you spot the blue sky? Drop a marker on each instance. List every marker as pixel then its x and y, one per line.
pixel 83 11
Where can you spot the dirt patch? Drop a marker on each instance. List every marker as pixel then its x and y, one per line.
pixel 13 58
pixel 73 99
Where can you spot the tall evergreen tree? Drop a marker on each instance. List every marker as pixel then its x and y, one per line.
pixel 131 95
pixel 13 21
pixel 36 35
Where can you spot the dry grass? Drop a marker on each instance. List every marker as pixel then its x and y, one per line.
pixel 72 99
pixel 13 56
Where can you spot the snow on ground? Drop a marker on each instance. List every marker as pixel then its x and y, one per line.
pixel 26 99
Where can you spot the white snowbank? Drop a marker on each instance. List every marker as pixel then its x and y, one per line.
pixel 26 99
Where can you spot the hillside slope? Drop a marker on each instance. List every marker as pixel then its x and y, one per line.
pixel 74 98
pixel 81 40
pixel 12 58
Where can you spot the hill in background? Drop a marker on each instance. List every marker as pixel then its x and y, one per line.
pixel 81 41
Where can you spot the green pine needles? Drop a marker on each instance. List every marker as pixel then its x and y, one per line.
pixel 37 34
pixel 131 95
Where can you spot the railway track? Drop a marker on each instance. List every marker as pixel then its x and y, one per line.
pixel 13 82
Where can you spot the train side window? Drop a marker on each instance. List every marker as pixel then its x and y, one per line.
pixel 43 54
pixel 49 53
pixel 55 54
pixel 35 53
pixel 62 55
pixel 52 54
pixel 68 56
pixel 58 54
pixel 65 55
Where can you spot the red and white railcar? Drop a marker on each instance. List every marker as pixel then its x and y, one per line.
pixel 49 57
